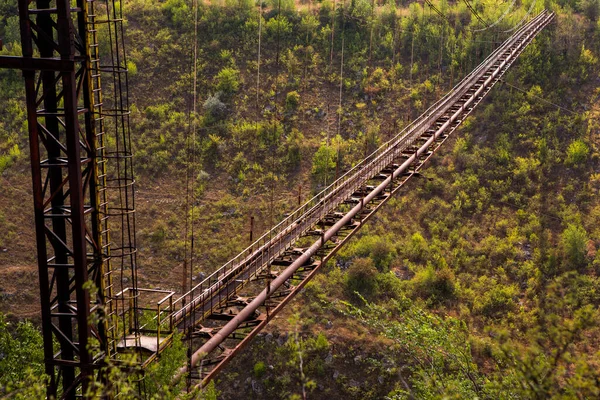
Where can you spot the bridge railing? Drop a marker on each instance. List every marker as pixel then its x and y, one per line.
pixel 273 242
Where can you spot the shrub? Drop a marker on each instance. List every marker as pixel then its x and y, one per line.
pixel 321 342
pixel 228 80
pixel 20 353
pixel 270 134
pixel 497 301
pixel 292 99
pixel 6 160
pixel 177 11
pixel 574 240
pixel 259 369
pixel 214 107
pixel 294 147
pixel 438 286
pixel 371 138
pixel 227 55
pixel 278 27
pixel 577 152
pixel 362 277
pixel 377 248
pixel 132 68
pixel 417 247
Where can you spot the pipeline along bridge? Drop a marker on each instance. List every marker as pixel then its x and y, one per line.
pixel 229 307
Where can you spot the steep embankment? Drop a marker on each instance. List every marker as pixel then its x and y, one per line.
pixel 481 278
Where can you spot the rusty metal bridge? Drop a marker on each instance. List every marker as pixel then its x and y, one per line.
pixel 235 302
pixel 67 116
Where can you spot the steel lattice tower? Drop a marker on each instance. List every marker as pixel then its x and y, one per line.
pixel 61 69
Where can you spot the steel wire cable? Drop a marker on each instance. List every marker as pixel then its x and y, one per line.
pixel 533 3
pixel 537 97
pixel 475 13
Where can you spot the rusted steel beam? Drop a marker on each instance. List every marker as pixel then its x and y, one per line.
pixel 37 64
pixel 63 179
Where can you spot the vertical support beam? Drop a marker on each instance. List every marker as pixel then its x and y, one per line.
pixel 36 175
pixel 62 141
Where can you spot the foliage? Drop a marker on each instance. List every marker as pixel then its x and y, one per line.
pixel 362 277
pixel 574 243
pixel 498 235
pixel 436 285
pixel 21 360
pixel 8 159
pixel 214 108
pixel 432 346
pixel 324 161
pixel 160 374
pixel 294 147
pixel 228 80
pixel 292 99
pixel 577 153
pixel 259 369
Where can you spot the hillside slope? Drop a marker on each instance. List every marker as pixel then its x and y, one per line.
pixel 481 279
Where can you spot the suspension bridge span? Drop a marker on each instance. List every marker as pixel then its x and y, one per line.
pixel 230 306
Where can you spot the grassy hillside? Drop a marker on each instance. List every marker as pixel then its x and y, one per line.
pixel 480 279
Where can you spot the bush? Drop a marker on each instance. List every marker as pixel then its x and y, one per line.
pixel 362 277
pixel 292 99
pixel 21 353
pixel 294 147
pixel 259 369
pixel 7 160
pixel 438 286
pixel 417 247
pixel 577 152
pixel 228 80
pixel 132 68
pixel 377 248
pixel 574 240
pixel 214 107
pixel 278 27
pixel 321 342
pixel 497 301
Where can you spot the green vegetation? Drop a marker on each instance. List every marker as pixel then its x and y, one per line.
pixel 22 369
pixel 479 280
pixel 21 360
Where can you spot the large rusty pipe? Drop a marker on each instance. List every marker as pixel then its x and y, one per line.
pixel 247 311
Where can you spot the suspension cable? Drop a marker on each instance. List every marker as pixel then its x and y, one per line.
pixel 475 13
pixel 533 3
pixel 504 14
pixel 341 70
pixel 260 5
pixel 537 97
pixel 193 166
pixel 190 192
pixel 273 175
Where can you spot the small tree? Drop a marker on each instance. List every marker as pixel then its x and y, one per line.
pixel 228 80
pixel 574 240
pixel 214 108
pixel 294 147
pixel 577 152
pixel 324 163
pixel 21 360
pixel 292 99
